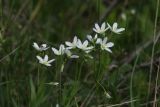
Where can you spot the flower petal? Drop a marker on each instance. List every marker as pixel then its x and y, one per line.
pixel 99 41
pixel 44 45
pixel 120 30
pixel 47 64
pixel 50 61
pixel 75 40
pixel 45 58
pixel 104 40
pixel 79 43
pixel 69 44
pixel 39 58
pixel 74 56
pixel 95 37
pixel 56 52
pixel 97 26
pixel 89 48
pixel 109 50
pixel 103 26
pixel 85 43
pixel 35 45
pixel 89 37
pixel 115 25
pixel 61 49
pixel 95 30
pixel 110 44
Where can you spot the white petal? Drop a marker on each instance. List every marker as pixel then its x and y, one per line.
pixel 89 48
pixel 120 30
pixel 47 64
pixel 69 44
pixel 95 37
pixel 87 51
pixel 103 26
pixel 50 61
pixel 55 83
pixel 68 52
pixel 99 41
pixel 52 83
pixel 105 40
pixel 115 26
pixel 46 58
pixel 97 26
pixel 35 45
pixel 79 43
pixel 109 50
pixel 61 49
pixel 69 47
pixel 110 44
pixel 56 52
pixel 85 43
pixel 75 40
pixel 95 30
pixel 89 37
pixel 74 56
pixel 42 48
pixel 57 105
pixel 39 58
pixel 44 45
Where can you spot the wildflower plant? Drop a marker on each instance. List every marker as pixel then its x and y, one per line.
pixel 91 47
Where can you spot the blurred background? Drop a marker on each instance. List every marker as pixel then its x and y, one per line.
pixel 23 22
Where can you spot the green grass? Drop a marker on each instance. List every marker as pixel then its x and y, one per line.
pixel 122 74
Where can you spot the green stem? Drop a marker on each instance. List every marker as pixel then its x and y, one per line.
pixel 80 70
pixel 99 66
pixel 131 81
pixel 38 76
pixel 60 80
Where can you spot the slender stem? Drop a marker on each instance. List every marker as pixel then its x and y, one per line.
pixel 80 70
pixel 131 81
pixel 60 88
pixel 98 3
pixel 153 49
pixel 99 66
pixel 156 87
pixel 60 80
pixel 1 12
pixel 38 76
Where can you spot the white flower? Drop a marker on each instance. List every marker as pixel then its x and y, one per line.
pixel 101 29
pixel 73 44
pixel 83 46
pixel 53 83
pixel 61 50
pixel 133 11
pixel 123 16
pixel 45 61
pixel 107 95
pixel 91 39
pixel 43 47
pixel 115 29
pixel 57 105
pixel 70 55
pixel 104 45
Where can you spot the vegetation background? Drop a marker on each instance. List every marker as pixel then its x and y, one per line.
pixel 131 72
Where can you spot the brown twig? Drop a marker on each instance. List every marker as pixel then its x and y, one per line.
pixel 156 87
pixel 133 54
pixel 110 8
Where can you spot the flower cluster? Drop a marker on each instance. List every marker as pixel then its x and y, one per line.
pixel 71 49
